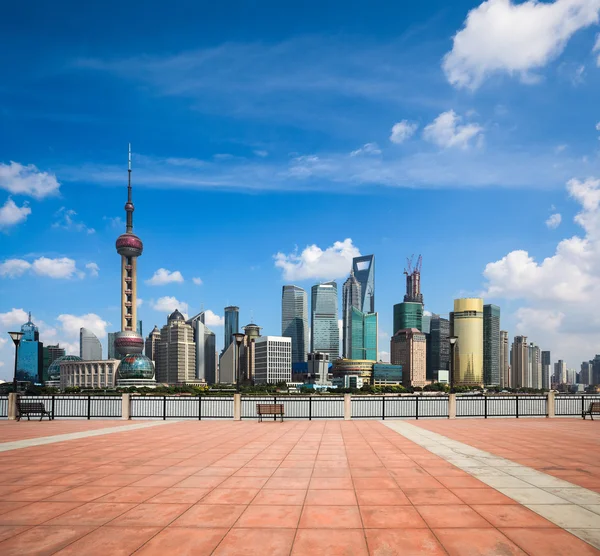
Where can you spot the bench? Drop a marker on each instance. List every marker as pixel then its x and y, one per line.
pixel 593 409
pixel 31 408
pixel 269 409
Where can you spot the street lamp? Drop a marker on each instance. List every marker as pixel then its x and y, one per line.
pixel 453 340
pixel 16 338
pixel 239 338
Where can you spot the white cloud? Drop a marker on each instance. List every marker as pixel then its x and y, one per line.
pixel 402 131
pixel 367 148
pixel 501 36
pixel 168 304
pixel 139 302
pixel 65 221
pixel 13 268
pixel 70 324
pixel 384 356
pixel 11 214
pixel 212 319
pixel 262 154
pixel 163 276
pixel 561 293
pixel 14 317
pixel 597 49
pixel 446 131
pixel 197 281
pixel 27 180
pixel 93 269
pixel 554 221
pixel 598 126
pixel 62 267
pixel 333 262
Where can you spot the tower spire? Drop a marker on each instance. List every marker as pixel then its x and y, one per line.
pixel 129 208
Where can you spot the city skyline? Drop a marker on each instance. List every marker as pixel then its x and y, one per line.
pixel 372 115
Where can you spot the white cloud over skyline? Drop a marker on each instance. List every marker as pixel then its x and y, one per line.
pixel 446 131
pixel 168 304
pixel 27 180
pixel 554 221
pixel 163 276
pixel 402 131
pixel 11 214
pixel 58 268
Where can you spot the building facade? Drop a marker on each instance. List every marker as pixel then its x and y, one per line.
pixel 294 320
pixel 176 353
pixel 586 372
pixel 364 341
pixel 491 345
pixel 519 363
pixel 560 372
pixel 363 269
pixel 546 370
pixel 318 369
pixel 206 348
pixel 386 373
pixel 248 352
pixel 232 325
pixel 89 374
pixel 408 314
pixel 351 299
pixel 504 360
pixel 273 359
pixel 439 332
pixel 325 335
pixel 466 323
pixel 408 349
pixel 152 343
pixel 228 365
pixel 50 354
pixel 30 357
pixel 90 348
pixel 535 366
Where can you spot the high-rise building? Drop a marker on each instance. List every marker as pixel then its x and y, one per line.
pixel 205 341
pixel 135 369
pixel 504 360
pixel 408 314
pixel 325 335
pixel 318 369
pixel 50 354
pixel 491 345
pixel 439 350
pixel 560 372
pixel 110 344
pixel 232 325
pixel 227 365
pixel 585 374
pixel 294 320
pixel 351 299
pixel 408 349
pixel 595 370
pixel 519 363
pixel 90 348
pixel 413 282
pixel 248 352
pixel 466 323
pixel 139 329
pixel 152 343
pixel 273 360
pixel 546 370
pixel 535 366
pixel 363 335
pixel 176 352
pixel 30 358
pixel 363 269
pixel 426 324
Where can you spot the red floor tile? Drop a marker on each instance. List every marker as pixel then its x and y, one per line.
pixel 91 513
pixel 230 496
pixel 511 516
pixel 482 496
pixel 403 542
pixel 330 517
pixel 151 515
pixel 431 496
pixel 330 498
pixel 476 542
pixel 38 513
pixel 207 516
pixel 42 540
pixel 287 483
pixel 392 497
pixel 256 542
pixel 336 542
pixel 8 531
pixel 177 495
pixel 270 517
pixel 116 541
pixel 389 517
pixel 280 497
pixel 440 517
pixel 549 542
pixel 183 542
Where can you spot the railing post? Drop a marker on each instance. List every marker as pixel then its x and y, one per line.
pixel 89 407
pixel 164 408
pixel 310 408
pixel 347 407
pixel 125 407
pixel 550 409
pixel 383 407
pixel 52 407
pixel 12 406
pixel 517 404
pixel 237 407
pixel 199 408
pixel 274 402
pixel 417 407
pixel 583 405
pixel 451 406
pixel 485 405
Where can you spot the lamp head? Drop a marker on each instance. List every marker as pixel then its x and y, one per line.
pixel 16 337
pixel 453 339
pixel 239 338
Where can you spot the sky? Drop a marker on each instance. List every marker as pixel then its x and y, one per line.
pixel 272 142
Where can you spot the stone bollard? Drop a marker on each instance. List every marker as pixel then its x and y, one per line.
pixel 347 407
pixel 125 407
pixel 237 407
pixel 12 406
pixel 451 406
pixel 551 408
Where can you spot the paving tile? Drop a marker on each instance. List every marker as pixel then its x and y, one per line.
pixel 569 516
pixel 7 531
pixel 177 495
pixel 230 496
pixel 209 516
pixel 392 497
pixel 403 542
pixel 32 493
pixel 511 516
pixel 330 498
pixel 6 507
pixel 336 542
pixel 134 495
pixel 330 483
pixel 270 517
pixel 430 496
pixel 461 482
pixel 576 495
pixel 151 515
pixel 200 482
pixel 42 540
pixel 481 496
pixel 256 542
pixel 402 517
pixel 116 541
pixel 82 494
pixel 330 517
pixel 91 513
pixel 38 513
pixel 477 542
pixel 549 542
pixel 183 541
pixel 280 497
pixel 288 483
pixel 451 516
pixel 244 482
pixel 532 496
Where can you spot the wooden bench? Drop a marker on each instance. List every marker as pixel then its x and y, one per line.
pixel 269 409
pixel 31 408
pixel 593 409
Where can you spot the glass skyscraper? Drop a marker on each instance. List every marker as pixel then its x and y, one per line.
pixel 408 315
pixel 325 335
pixel 90 348
pixel 30 360
pixel 491 345
pixel 232 325
pixel 351 299
pixel 363 269
pixel 364 335
pixel 294 320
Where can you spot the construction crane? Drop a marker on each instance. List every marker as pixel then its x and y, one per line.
pixel 413 280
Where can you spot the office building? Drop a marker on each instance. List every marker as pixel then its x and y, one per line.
pixel 466 323
pixel 413 281
pixel 595 370
pixel 152 343
pixel 351 299
pixel 519 363
pixel 50 354
pixel 88 374
pixel 535 366
pixel 504 360
pixel 273 359
pixel 90 348
pixel 586 373
pixel 318 369
pixel 546 370
pixel 364 344
pixel 139 328
pixel 343 368
pixel 571 376
pixel 440 346
pixel 325 335
pixel 363 269
pixel 294 320
pixel 176 352
pixel 30 358
pixel 491 345
pixel 408 315
pixel 248 352
pixel 205 341
pixel 386 373
pixel 228 365
pixel 232 324
pixel 408 349
pixel 560 372
pixel 110 344
pixel 426 324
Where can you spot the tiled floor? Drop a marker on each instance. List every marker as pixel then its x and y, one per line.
pixel 229 488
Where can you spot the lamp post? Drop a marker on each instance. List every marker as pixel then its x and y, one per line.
pixel 453 340
pixel 16 338
pixel 239 338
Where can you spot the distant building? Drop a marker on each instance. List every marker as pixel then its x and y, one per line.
pixel 140 328
pixel 152 343
pixel 232 325
pixel 440 345
pixel 294 320
pixel 88 373
pixel 386 373
pixel 325 335
pixel 408 349
pixel 560 372
pixel 363 269
pixel 110 344
pixel 205 341
pixel 352 368
pixel 53 375
pixel 90 348
pixel 519 363
pixel 546 370
pixel 176 353
pixel 491 345
pixel 318 369
pixel 50 354
pixel 586 372
pixel 228 365
pixel 504 360
pixel 30 358
pixel 595 370
pixel 351 299
pixel 535 366
pixel 408 314
pixel 426 324
pixel 466 323
pixel 364 341
pixel 273 360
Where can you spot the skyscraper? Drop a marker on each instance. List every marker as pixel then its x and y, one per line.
pixel 586 372
pixel 413 282
pixel 205 341
pixel 560 372
pixel 440 345
pixel 50 354
pixel 408 314
pixel 535 366
pixel 408 349
pixel 504 360
pixel 294 320
pixel 519 363
pixel 176 353
pixel 363 343
pixel 546 370
pixel 466 322
pixel 273 360
pixel 248 352
pixel 351 298
pixel 232 325
pixel 90 348
pixel 491 345
pixel 30 359
pixel 151 343
pixel 364 271
pixel 325 335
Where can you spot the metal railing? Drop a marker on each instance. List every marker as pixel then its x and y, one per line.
pixel 399 407
pixel 297 407
pixel 182 407
pixel 3 407
pixel 79 407
pixel 501 406
pixel 566 405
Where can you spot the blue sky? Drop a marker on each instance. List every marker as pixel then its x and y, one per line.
pixel 315 132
